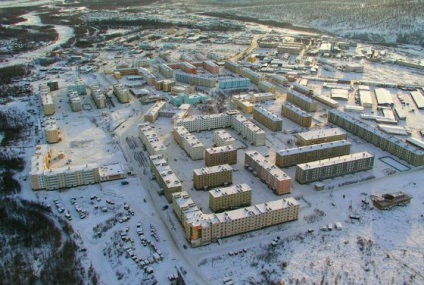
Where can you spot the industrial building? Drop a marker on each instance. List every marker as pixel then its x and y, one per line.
pixel 320 136
pixel 202 229
pixel 192 146
pixel 296 115
pixel 153 113
pixel 122 93
pixel 418 99
pixel 327 101
pixel 150 139
pixel 271 175
pixel 209 177
pixel 386 142
pixel 290 47
pixel 220 155
pixel 268 119
pixel 165 176
pixel 222 138
pixel 340 94
pixel 230 198
pixel 302 101
pixel 333 167
pixel 298 155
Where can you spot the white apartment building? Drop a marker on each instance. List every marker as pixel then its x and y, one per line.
pixel 122 93
pixel 150 139
pixel 165 176
pixel 248 130
pixel 223 138
pixel 98 97
pixel 153 113
pixel 228 198
pixel 194 148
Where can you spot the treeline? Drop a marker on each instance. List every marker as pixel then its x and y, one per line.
pixel 13 124
pixel 7 73
pixel 37 250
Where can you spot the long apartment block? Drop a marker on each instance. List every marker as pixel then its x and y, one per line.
pixel 150 139
pixel 320 136
pixel 153 113
pixel 384 141
pixel 233 118
pixel 230 198
pixel 220 155
pixel 276 179
pixel 302 101
pixel 189 143
pixel 98 97
pixel 165 176
pixel 46 101
pixel 296 115
pixel 292 156
pixel 222 137
pixel 334 167
pixel 209 177
pixel 268 119
pixel 202 229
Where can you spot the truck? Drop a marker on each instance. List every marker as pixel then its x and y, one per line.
pixel 124 182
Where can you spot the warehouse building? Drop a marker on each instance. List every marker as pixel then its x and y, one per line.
pixel 153 113
pixel 202 229
pixel 165 176
pixel 290 47
pixel 209 177
pixel 192 146
pixel 320 136
pixel 383 96
pixel 365 98
pixel 268 119
pixel 298 155
pixel 327 101
pixel 296 115
pixel 220 155
pixel 304 102
pixel 370 134
pixel 150 139
pixel 302 88
pixel 418 99
pixel 223 138
pixel 271 175
pixel 334 167
pixel 230 198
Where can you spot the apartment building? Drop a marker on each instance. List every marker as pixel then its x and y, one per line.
pixel 165 176
pixel 46 100
pixel 262 97
pixel 248 130
pixel 209 177
pixel 277 79
pixel 98 97
pixel 296 115
pixel 253 76
pixel 211 67
pixel 365 97
pixel 220 155
pixel 302 101
pixel 52 131
pixel 222 138
pixel 230 83
pixel 232 66
pixel 153 113
pixel 268 119
pixel 243 103
pixel 202 229
pixel 191 145
pixel 229 198
pixel 320 136
pixel 166 71
pixel 121 92
pixel 334 167
pixel 276 179
pixel 302 88
pixel 188 67
pixel 384 141
pixel 298 155
pixel 75 101
pixel 198 80
pixel 150 139
pixel 265 86
pixel 43 176
pixel 290 47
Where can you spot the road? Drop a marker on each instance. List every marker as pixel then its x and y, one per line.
pixel 253 45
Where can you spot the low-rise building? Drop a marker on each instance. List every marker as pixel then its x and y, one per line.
pixel 296 115
pixel 153 113
pixel 112 172
pixel 333 167
pixel 209 177
pixel 388 201
pixel 229 198
pixel 298 155
pixel 189 143
pixel 320 136
pixel 165 176
pixel 220 155
pixel 268 119
pixel 276 179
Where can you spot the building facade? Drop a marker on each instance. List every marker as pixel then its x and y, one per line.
pixel 220 155
pixel 320 136
pixel 165 176
pixel 334 167
pixel 271 175
pixel 268 119
pixel 229 198
pixel 298 155
pixel 209 177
